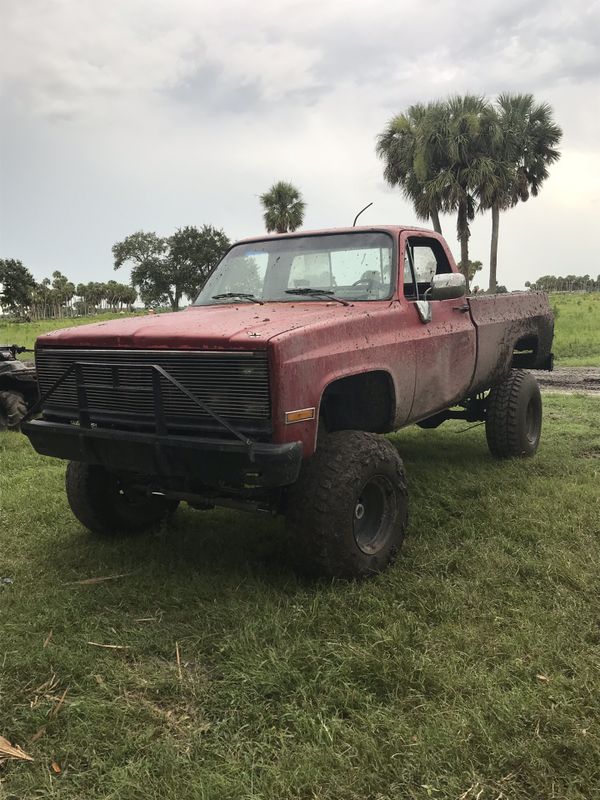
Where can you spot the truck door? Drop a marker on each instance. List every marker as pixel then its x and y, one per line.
pixel 445 346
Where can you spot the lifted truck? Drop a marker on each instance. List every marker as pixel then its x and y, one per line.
pixel 273 389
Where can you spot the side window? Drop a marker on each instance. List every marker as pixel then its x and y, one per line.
pixel 423 258
pixel 424 263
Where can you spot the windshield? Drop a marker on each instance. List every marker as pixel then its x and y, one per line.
pixel 348 266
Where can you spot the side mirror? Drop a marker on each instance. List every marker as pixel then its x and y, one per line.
pixel 448 286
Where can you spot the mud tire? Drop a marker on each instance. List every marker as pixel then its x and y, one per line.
pixel 13 408
pixel 513 421
pixel 100 503
pixel 351 472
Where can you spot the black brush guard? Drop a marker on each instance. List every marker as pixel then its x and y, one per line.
pixel 237 462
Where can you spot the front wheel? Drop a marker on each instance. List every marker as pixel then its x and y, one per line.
pixel 513 417
pixel 348 512
pixel 107 506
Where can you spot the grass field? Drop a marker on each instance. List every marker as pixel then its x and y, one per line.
pixel 470 669
pixel 577 332
pixel 25 333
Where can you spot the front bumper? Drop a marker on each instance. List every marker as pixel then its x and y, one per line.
pixel 208 461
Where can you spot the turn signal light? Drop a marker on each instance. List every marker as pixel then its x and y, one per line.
pixel 299 416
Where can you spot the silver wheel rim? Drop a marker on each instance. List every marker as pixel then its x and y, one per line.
pixel 531 422
pixel 373 514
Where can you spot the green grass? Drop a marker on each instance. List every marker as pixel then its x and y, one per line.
pixel 25 333
pixel 469 669
pixel 577 332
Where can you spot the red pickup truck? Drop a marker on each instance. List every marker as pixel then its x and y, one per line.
pixel 273 389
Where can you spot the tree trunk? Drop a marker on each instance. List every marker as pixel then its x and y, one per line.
pixel 463 235
pixel 435 219
pixel 494 248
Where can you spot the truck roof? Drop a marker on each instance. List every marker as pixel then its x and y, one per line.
pixel 394 229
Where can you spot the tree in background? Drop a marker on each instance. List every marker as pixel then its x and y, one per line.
pixel 195 253
pixel 17 284
pixel 63 291
pixel 438 154
pixel 522 149
pixel 91 296
pixel 412 151
pixel 464 155
pixel 283 208
pixel 473 268
pixel 41 304
pixel 118 295
pixel 464 131
pixel 568 283
pixel 166 269
pixel 146 253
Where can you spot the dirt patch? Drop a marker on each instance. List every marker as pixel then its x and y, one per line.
pixel 594 453
pixel 570 379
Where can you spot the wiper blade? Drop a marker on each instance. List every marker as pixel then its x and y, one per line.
pixel 306 290
pixel 241 295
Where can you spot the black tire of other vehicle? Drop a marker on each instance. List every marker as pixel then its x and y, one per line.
pixel 348 512
pixel 101 503
pixel 513 420
pixel 13 408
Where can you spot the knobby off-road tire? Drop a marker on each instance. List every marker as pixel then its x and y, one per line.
pixel 513 421
pixel 13 408
pixel 101 503
pixel 348 512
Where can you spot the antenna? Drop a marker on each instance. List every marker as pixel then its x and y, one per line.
pixel 360 212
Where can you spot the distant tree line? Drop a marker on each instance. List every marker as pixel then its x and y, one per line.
pixel 22 296
pixel 570 283
pixel 164 270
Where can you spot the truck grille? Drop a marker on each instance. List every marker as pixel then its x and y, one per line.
pixel 233 385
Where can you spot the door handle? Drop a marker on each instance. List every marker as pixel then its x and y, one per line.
pixel 463 309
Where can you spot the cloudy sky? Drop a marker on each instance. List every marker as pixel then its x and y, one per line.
pixel 123 115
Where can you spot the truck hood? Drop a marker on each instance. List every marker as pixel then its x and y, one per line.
pixel 239 326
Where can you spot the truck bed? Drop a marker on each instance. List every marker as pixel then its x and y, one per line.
pixel 512 330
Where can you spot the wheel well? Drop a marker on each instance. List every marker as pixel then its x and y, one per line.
pixel 525 352
pixel 362 402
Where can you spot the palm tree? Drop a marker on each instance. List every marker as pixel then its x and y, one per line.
pixel 284 207
pixel 522 152
pixel 463 131
pixel 412 157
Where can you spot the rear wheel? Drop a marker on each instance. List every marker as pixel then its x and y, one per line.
pixel 105 504
pixel 13 408
pixel 348 512
pixel 513 422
